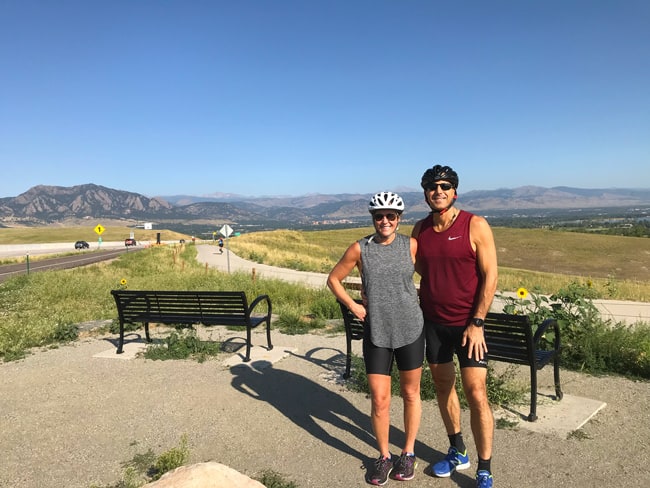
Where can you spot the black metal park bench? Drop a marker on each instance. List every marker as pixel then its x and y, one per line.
pixel 509 339
pixel 229 308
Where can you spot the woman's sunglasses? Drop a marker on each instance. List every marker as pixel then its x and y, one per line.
pixel 379 217
pixel 443 186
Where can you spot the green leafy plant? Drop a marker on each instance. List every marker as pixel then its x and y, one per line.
pixel 183 345
pixel 66 333
pixel 272 479
pixel 171 459
pixel 502 423
pixel 146 467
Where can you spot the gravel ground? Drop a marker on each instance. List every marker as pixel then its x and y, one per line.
pixel 68 419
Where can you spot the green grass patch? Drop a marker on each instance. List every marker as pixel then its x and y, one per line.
pixel 502 423
pixel 146 467
pixel 273 479
pixel 183 344
pixel 41 309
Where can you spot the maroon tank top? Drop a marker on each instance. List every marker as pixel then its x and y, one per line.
pixel 450 276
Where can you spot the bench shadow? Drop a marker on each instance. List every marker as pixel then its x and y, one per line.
pixel 128 338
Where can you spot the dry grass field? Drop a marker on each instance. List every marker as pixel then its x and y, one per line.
pixel 618 267
pixel 595 256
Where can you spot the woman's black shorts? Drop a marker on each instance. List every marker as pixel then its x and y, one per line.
pixel 379 360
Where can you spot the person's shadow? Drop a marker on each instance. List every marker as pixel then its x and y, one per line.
pixel 304 402
pixel 308 405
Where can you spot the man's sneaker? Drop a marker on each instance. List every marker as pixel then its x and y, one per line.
pixel 381 470
pixel 404 469
pixel 484 479
pixel 453 460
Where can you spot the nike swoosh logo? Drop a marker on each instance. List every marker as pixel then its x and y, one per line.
pixel 454 238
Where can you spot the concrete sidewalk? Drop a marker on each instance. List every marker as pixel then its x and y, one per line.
pixel 617 310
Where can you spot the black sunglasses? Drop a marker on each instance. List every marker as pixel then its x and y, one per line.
pixel 443 186
pixel 379 217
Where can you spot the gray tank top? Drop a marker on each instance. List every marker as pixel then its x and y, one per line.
pixel 394 312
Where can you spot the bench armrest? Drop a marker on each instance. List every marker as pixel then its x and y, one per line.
pixel 541 330
pixel 257 301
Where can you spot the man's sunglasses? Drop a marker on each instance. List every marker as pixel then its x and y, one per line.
pixel 379 217
pixel 443 186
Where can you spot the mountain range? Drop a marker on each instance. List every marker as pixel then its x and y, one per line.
pixel 47 205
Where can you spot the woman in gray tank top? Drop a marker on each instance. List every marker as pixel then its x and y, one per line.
pixel 393 328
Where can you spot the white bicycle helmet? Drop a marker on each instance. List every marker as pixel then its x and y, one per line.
pixel 386 200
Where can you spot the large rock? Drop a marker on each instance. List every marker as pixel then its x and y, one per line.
pixel 204 475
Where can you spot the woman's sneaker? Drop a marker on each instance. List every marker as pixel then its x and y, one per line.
pixel 453 460
pixel 404 468
pixel 381 470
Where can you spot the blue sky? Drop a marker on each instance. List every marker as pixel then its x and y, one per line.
pixel 294 97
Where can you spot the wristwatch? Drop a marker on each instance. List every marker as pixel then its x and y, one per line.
pixel 478 322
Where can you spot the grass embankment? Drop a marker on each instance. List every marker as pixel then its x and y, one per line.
pixel 42 308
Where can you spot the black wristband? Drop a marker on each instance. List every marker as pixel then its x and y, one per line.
pixel 478 322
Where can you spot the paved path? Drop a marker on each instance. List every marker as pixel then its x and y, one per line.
pixel 72 416
pixel 617 310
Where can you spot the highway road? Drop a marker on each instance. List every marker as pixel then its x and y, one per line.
pixel 81 258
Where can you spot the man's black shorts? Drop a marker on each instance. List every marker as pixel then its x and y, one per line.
pixel 442 341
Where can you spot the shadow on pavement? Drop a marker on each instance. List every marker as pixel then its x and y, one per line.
pixel 310 405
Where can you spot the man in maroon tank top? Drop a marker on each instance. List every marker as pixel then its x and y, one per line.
pixel 457 262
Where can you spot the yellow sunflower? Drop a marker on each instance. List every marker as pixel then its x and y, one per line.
pixel 522 293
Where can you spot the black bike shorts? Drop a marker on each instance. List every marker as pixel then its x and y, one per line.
pixel 443 341
pixel 379 360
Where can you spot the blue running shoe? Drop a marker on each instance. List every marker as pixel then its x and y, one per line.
pixel 453 460
pixel 484 479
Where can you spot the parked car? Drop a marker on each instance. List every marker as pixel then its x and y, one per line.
pixel 81 245
pixel 129 242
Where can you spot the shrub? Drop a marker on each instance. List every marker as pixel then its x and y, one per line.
pixel 172 459
pixel 589 343
pixel 271 479
pixel 183 345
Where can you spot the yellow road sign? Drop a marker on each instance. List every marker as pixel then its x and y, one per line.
pixel 99 229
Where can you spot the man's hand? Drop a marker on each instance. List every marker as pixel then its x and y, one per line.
pixel 474 338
